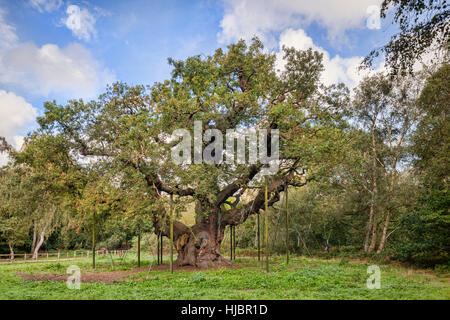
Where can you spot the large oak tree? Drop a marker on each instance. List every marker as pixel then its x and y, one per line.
pixel 127 130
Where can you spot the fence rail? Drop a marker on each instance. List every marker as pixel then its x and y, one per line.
pixel 58 255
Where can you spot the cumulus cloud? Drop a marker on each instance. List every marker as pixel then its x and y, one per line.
pixel 8 37
pixel 80 21
pixel 15 114
pixel 337 69
pixel 70 71
pixel 46 5
pixel 246 18
pixel 50 69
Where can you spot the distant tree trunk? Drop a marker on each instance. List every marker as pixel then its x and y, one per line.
pixel 373 241
pixel 388 214
pixel 11 250
pixel 33 245
pixel 384 234
pixel 369 225
pixel 39 243
pixel 372 227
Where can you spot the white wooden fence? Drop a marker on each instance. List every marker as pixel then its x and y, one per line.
pixel 59 255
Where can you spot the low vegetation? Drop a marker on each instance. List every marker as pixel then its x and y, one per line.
pixel 303 278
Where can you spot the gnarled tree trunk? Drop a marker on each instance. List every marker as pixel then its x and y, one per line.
pixel 200 244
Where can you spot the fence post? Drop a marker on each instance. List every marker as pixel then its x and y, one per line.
pixel 25 257
pixel 58 254
pixel 47 255
pixel 75 253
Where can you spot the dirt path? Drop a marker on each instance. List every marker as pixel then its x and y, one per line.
pixel 111 277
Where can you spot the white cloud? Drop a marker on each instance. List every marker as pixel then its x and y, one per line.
pixel 246 18
pixel 8 37
pixel 46 5
pixel 70 71
pixel 80 21
pixel 50 69
pixel 337 69
pixel 15 114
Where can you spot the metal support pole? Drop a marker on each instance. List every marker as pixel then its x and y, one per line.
pixel 93 240
pixel 287 223
pixel 157 248
pixel 231 243
pixel 139 247
pixel 234 243
pixel 171 233
pixel 259 236
pixel 161 247
pixel 266 226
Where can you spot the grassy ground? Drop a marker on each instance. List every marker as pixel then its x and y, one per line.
pixel 303 278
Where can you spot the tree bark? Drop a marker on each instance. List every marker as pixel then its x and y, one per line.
pixel 200 244
pixel 384 234
pixel 372 227
pixel 11 251
pixel 373 241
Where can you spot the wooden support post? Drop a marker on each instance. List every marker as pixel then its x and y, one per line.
pixel 234 243
pixel 47 255
pixel 258 232
pixel 75 254
pixel 93 240
pixel 139 247
pixel 287 223
pixel 231 243
pixel 59 254
pixel 266 225
pixel 161 246
pixel 25 257
pixel 171 233
pixel 157 248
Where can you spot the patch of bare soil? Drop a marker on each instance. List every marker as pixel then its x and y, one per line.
pixel 109 277
pixel 112 277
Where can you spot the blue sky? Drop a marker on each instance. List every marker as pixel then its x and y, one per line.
pixel 59 49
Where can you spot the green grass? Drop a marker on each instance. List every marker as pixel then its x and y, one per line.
pixel 303 278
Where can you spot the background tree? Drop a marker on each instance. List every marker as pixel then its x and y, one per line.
pixel 51 174
pixel 386 110
pixel 15 220
pixel 424 25
pixel 423 235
